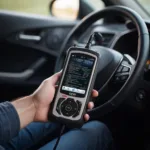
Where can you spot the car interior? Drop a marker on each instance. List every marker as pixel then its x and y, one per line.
pixel 33 47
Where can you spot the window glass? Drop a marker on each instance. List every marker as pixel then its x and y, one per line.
pixel 145 4
pixel 38 6
pixel 27 6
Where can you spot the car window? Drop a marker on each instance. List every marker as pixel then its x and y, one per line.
pixel 38 6
pixel 27 6
pixel 145 4
pixel 97 4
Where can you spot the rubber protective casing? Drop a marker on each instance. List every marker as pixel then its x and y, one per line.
pixel 75 123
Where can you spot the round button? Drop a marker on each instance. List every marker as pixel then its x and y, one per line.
pixel 68 107
pixel 140 95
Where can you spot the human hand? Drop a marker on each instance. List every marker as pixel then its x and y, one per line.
pixel 44 95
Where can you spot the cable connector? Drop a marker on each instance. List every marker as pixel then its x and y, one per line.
pixel 95 36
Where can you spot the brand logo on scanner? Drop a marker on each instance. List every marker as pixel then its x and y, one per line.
pixel 72 94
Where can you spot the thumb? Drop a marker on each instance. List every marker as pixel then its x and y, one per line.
pixel 55 77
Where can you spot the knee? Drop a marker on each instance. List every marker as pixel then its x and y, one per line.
pixel 96 125
pixel 100 132
pixel 98 129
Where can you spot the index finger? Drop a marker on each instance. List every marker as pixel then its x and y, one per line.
pixel 56 77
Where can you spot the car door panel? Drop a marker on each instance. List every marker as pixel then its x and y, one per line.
pixel 29 46
pixel 13 21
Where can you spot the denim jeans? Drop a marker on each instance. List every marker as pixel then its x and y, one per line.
pixel 93 135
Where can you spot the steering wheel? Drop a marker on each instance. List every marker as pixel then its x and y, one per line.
pixel 112 61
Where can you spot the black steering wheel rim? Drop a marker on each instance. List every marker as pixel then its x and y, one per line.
pixel 143 51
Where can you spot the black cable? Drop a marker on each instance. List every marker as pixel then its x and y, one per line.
pixel 98 38
pixel 89 43
pixel 57 142
pixel 95 36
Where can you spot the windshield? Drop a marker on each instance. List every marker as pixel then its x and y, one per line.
pixel 38 6
pixel 145 4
